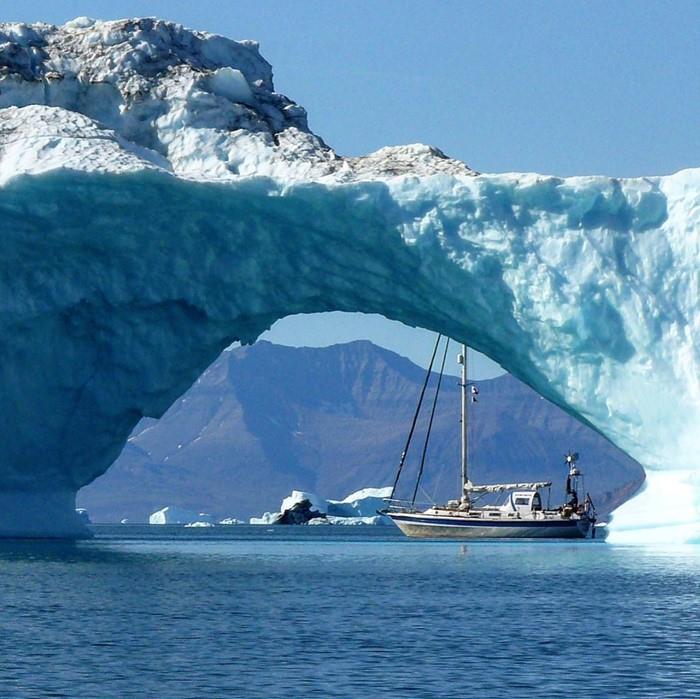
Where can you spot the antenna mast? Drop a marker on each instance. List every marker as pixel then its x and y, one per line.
pixel 462 359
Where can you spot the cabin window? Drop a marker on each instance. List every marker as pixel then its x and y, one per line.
pixel 536 502
pixel 522 501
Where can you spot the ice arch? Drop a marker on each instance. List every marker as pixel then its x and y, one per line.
pixel 148 219
pixel 118 290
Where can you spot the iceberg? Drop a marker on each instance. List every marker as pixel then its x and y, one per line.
pixel 159 200
pixel 362 504
pixel 266 518
pixel 178 515
pixel 297 508
pixel 301 507
pixel 316 503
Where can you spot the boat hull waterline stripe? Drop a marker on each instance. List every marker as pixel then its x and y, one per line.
pixel 431 527
pixel 463 522
pixel 411 526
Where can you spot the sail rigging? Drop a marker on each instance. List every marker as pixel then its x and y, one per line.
pixel 522 515
pixel 503 487
pixel 430 422
pixel 404 453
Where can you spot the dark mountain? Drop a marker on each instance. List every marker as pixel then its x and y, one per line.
pixel 266 419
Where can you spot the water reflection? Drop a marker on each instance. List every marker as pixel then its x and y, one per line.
pixel 59 551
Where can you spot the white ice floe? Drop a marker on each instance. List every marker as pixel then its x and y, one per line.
pixel 266 518
pixel 178 515
pixel 352 521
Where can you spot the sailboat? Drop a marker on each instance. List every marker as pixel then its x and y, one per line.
pixel 522 514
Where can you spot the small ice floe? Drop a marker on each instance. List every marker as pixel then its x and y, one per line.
pixel 267 518
pixel 350 521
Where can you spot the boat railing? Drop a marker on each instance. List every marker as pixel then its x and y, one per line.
pixel 396 505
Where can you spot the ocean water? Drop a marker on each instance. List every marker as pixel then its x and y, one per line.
pixel 353 612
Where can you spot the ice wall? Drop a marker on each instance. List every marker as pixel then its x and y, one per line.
pixel 148 219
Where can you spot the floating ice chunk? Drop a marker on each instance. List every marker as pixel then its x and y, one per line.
pixel 267 518
pixel 231 520
pixel 362 503
pixel 178 515
pixel 359 507
pixel 318 504
pixel 199 524
pixel 353 521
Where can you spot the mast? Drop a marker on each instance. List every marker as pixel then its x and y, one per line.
pixel 463 361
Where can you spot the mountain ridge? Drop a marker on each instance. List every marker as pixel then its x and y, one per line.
pixel 265 419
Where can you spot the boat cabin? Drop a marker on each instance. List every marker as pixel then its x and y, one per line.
pixel 523 502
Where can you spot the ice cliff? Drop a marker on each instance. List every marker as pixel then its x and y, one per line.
pixel 159 200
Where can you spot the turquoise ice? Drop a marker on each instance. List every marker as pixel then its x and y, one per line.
pixel 148 221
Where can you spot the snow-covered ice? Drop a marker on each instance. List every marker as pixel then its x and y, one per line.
pixel 153 211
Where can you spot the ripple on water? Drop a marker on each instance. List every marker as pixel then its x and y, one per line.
pixel 248 613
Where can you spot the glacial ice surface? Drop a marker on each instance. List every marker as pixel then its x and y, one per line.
pixel 159 200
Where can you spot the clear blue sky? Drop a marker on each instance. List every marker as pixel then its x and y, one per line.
pixel 556 87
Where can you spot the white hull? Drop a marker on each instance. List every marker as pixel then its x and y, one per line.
pixel 522 517
pixel 455 527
